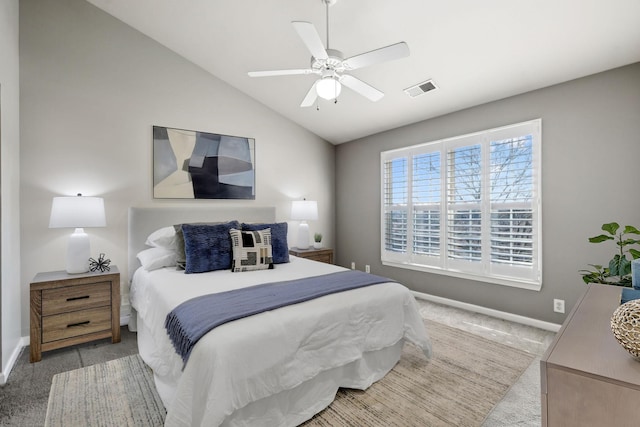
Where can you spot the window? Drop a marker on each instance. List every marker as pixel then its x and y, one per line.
pixel 467 206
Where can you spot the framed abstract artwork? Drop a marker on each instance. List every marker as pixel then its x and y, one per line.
pixel 189 164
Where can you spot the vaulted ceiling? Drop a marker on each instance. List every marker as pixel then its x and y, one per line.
pixel 475 51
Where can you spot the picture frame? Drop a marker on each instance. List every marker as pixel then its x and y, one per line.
pixel 190 164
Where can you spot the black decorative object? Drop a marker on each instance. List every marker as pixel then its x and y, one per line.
pixel 101 264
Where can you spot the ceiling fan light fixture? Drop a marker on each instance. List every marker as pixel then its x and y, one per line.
pixel 331 66
pixel 328 88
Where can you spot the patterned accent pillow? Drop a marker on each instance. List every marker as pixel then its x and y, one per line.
pixel 207 247
pixel 279 244
pixel 251 250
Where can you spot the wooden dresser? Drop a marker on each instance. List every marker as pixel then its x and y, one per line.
pixel 322 255
pixel 587 378
pixel 69 309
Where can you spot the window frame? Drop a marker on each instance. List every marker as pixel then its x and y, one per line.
pixel 488 269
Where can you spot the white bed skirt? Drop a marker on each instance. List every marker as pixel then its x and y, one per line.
pixel 290 407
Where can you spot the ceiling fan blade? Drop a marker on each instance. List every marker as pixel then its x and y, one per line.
pixel 361 87
pixel 388 53
pixel 281 72
pixel 311 96
pixel 311 39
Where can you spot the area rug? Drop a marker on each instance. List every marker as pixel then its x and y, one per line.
pixel 117 393
pixel 467 376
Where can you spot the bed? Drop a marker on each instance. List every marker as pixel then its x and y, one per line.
pixel 276 368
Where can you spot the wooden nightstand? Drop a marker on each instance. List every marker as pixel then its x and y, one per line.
pixel 322 255
pixel 69 309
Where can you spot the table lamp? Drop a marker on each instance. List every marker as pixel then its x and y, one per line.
pixel 77 212
pixel 303 211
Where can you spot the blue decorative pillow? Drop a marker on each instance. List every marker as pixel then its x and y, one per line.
pixel 251 250
pixel 207 247
pixel 279 245
pixel 181 259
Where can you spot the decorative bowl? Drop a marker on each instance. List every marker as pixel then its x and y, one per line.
pixel 625 324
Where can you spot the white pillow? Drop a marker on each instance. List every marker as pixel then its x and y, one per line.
pixel 155 258
pixel 162 238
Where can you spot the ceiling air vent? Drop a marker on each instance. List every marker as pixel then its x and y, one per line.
pixel 421 88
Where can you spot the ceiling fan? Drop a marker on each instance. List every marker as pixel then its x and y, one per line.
pixel 331 66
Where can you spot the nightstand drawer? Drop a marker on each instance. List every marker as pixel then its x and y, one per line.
pixel 75 323
pixel 325 257
pixel 72 298
pixel 320 254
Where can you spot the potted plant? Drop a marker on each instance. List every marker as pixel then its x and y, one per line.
pixel 618 272
pixel 317 240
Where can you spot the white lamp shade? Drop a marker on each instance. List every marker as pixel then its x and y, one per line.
pixel 328 88
pixel 304 210
pixel 77 212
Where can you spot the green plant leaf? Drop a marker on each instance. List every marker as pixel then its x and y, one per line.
pixel 634 253
pixel 619 266
pixel 600 274
pixel 600 238
pixel 614 265
pixel 588 278
pixel 627 242
pixel 629 229
pixel 611 228
pixel 625 267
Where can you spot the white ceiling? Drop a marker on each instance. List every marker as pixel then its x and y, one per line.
pixel 475 51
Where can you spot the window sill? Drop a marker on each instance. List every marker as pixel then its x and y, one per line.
pixel 513 283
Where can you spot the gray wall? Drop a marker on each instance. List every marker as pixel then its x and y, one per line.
pixel 91 90
pixel 590 163
pixel 10 185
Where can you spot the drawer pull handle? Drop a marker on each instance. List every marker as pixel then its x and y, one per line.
pixel 71 325
pixel 77 298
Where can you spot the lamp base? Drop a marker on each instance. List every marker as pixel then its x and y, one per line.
pixel 78 252
pixel 303 236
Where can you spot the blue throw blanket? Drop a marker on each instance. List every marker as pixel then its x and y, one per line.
pixel 192 319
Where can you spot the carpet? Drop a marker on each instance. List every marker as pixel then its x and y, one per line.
pixel 466 377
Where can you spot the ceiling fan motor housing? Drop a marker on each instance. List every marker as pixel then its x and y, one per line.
pixel 333 62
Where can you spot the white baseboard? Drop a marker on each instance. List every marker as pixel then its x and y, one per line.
pixel 547 326
pixel 125 311
pixel 4 375
pixel 124 320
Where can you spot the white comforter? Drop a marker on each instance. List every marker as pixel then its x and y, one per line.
pixel 250 359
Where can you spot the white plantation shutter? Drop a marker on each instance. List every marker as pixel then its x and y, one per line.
pixel 467 206
pixel 395 206
pixel 426 197
pixel 464 203
pixel 513 205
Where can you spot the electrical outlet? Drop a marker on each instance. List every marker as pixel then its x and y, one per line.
pixel 558 305
pixel 367 269
pixel 353 265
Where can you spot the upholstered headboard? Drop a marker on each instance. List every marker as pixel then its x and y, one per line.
pixel 145 220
